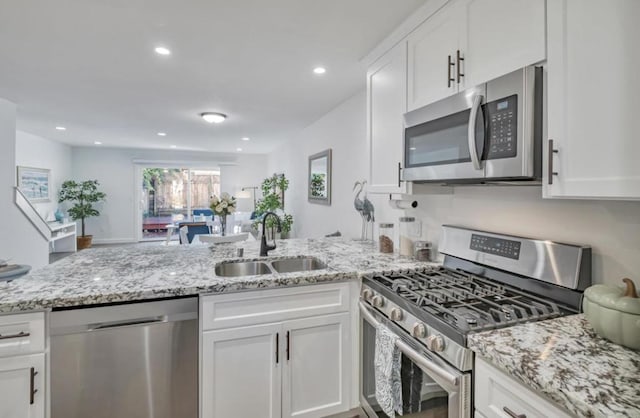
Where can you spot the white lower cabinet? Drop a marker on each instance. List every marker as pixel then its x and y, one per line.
pixel 241 374
pixel 498 395
pixel 22 386
pixel 295 367
pixel 316 366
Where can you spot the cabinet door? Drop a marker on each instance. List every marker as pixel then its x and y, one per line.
pixel 316 366
pixel 241 372
pixel 429 48
pixel 386 104
pixel 501 36
pixel 22 387
pixel 593 99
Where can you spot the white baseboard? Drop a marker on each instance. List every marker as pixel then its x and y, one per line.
pixel 114 240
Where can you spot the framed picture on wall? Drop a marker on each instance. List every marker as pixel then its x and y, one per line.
pixel 34 183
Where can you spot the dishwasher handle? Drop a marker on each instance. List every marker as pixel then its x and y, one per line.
pixel 128 323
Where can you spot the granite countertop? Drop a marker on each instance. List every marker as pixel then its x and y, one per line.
pixel 139 272
pixel 564 360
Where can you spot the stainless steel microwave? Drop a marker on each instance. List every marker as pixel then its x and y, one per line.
pixel 492 132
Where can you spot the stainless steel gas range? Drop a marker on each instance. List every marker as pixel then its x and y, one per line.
pixel 487 281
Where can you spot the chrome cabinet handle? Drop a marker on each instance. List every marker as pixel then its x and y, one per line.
pixel 32 389
pixel 513 414
pixel 459 66
pixel 473 116
pixel 21 334
pixel 288 345
pixel 450 64
pixel 551 173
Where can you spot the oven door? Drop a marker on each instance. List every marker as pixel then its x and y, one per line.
pixel 430 386
pixel 445 140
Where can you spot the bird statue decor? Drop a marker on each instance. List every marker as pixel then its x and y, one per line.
pixel 365 208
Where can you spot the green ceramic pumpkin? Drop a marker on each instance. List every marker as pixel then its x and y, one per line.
pixel 614 313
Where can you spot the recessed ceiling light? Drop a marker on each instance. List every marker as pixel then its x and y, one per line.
pixel 173 146
pixel 239 149
pixel 213 117
pixel 319 70
pixel 162 134
pixel 61 128
pixel 98 143
pixel 245 138
pixel 161 50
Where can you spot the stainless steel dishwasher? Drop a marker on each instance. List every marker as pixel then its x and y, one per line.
pixel 131 361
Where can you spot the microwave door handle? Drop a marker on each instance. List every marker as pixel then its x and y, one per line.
pixel 473 119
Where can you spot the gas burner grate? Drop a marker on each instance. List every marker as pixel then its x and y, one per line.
pixel 466 301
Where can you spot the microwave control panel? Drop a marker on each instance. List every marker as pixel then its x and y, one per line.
pixel 502 128
pixel 496 246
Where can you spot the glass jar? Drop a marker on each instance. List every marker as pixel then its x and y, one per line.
pixel 422 251
pixel 385 238
pixel 409 233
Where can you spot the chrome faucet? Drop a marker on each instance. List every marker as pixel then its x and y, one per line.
pixel 264 247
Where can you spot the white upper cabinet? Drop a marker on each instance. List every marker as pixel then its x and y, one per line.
pixel 500 36
pixel 593 99
pixel 469 42
pixel 386 103
pixel 432 58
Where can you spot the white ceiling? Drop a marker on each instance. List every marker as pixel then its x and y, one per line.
pixel 90 66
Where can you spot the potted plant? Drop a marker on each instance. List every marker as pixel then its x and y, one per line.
pixel 273 189
pixel 223 206
pixel 83 195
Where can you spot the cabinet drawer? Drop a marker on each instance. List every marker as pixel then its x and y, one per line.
pixel 22 334
pixel 495 391
pixel 265 306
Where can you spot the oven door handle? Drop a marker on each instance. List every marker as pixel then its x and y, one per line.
pixel 416 357
pixel 473 119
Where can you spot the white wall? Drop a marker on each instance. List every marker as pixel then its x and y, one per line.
pixel 115 170
pixel 343 130
pixel 35 151
pixel 19 240
pixel 611 228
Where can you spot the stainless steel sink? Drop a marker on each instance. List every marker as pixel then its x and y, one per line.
pixel 253 268
pixel 290 265
pixel 250 268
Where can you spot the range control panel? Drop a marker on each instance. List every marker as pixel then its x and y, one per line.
pixel 502 127
pixel 496 246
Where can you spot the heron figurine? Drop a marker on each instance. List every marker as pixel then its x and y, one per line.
pixel 364 207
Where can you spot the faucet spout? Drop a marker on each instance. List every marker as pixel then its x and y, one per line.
pixel 264 247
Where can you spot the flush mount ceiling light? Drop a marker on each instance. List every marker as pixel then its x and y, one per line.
pixel 245 138
pixel 162 134
pixel 319 70
pixel 213 117
pixel 161 50
pixel 97 143
pixel 61 128
pixel 239 149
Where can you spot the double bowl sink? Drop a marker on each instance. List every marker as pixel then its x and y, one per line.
pixel 255 268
